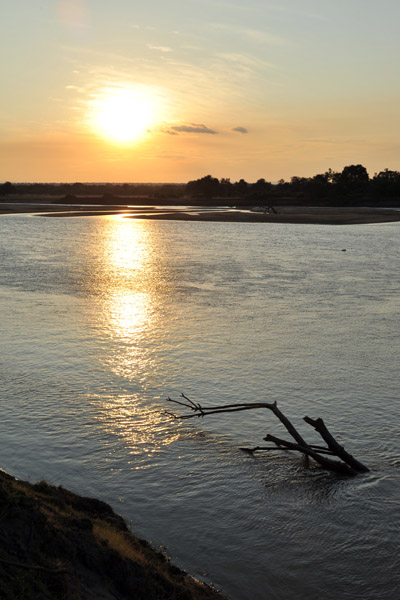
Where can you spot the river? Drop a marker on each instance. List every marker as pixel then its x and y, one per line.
pixel 104 317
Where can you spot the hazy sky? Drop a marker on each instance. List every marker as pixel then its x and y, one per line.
pixel 171 90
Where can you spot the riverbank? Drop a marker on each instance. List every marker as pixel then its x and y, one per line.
pixel 288 214
pixel 312 215
pixel 59 545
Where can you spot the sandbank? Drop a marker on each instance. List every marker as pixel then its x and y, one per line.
pixel 313 215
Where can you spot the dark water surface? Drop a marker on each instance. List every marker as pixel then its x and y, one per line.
pixel 104 317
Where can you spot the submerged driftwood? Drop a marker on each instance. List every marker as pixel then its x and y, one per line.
pixel 347 464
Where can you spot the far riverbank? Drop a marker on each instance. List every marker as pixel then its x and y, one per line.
pixel 286 214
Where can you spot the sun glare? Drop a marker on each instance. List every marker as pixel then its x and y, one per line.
pixel 121 115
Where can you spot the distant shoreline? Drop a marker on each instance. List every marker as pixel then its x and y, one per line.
pixel 286 214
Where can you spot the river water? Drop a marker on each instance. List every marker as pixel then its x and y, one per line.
pixel 102 318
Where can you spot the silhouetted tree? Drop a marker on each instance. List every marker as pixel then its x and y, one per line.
pixel 320 186
pixel 331 176
pixel 207 186
pixel 7 188
pixel 299 185
pixel 387 183
pixel 353 178
pixel 241 187
pixel 261 186
pixel 225 188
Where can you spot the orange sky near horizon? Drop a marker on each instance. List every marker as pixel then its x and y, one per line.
pixel 99 91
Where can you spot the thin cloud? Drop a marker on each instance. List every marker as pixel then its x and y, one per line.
pixel 192 128
pixel 160 48
pixel 254 35
pixel 171 157
pixel 240 129
pixel 72 13
pixel 246 60
pixel 286 10
pixel 147 28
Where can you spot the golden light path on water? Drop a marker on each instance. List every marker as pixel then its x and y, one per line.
pixel 128 314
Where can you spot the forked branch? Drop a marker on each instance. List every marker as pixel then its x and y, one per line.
pixel 346 465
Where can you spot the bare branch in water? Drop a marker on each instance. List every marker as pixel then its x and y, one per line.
pixel 347 464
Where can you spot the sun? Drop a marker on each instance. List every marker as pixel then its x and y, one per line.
pixel 122 115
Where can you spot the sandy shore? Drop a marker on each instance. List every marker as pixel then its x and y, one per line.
pixel 300 215
pixel 287 214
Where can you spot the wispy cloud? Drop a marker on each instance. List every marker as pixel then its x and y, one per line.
pixel 159 48
pixel 145 28
pixel 216 79
pixel 240 129
pixel 72 13
pixel 171 157
pixel 191 128
pixel 295 12
pixel 253 35
pixel 246 61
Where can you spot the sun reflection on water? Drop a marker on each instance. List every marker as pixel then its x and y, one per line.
pixel 126 246
pixel 142 429
pixel 128 312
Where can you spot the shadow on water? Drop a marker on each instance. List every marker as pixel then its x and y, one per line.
pixel 298 480
pixel 288 475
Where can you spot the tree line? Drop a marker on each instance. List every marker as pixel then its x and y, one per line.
pixel 352 185
pixel 92 189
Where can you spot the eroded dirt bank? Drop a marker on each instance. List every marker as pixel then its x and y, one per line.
pixel 58 545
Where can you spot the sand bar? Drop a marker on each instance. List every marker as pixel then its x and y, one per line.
pixel 288 214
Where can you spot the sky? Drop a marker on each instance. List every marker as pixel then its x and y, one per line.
pixel 169 91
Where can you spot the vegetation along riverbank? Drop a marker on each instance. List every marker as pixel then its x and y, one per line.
pixel 59 545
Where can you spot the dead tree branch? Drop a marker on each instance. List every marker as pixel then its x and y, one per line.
pixel 333 445
pixel 326 463
pixel 347 464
